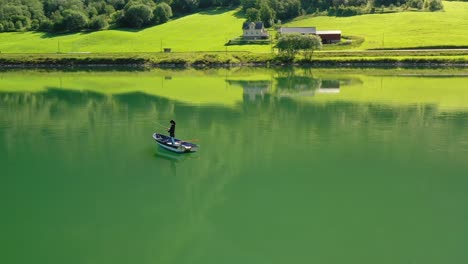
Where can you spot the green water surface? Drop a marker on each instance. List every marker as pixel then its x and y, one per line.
pixel 295 166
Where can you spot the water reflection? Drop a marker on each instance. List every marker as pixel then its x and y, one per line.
pixel 289 85
pixel 278 170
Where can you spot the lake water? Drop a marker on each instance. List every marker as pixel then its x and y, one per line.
pixel 295 166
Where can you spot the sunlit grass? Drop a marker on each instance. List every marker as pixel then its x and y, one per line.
pixel 401 30
pixel 209 31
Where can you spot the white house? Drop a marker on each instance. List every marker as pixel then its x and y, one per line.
pixel 254 30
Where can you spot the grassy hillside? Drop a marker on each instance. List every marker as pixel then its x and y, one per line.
pixel 205 31
pixel 401 30
pixel 208 31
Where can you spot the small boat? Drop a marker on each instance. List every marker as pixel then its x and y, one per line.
pixel 180 146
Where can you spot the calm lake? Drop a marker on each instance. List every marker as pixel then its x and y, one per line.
pixel 295 166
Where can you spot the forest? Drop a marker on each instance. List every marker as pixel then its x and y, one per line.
pixel 78 15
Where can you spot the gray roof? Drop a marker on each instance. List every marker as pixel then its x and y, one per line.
pixel 300 30
pixel 326 32
pixel 258 25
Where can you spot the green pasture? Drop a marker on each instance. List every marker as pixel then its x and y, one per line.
pixel 401 30
pixel 210 30
pixel 204 31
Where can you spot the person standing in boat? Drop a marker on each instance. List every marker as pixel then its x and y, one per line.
pixel 171 131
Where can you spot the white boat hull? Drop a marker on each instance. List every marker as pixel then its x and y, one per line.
pixel 179 146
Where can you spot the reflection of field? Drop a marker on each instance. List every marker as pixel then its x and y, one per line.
pixel 450 93
pixel 229 88
pixel 190 87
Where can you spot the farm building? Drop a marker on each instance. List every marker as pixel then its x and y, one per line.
pixel 327 36
pixel 254 30
pixel 300 30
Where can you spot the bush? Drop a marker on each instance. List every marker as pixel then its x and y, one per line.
pixel 74 20
pixel 162 13
pixel 415 4
pixel 34 24
pixel 137 16
pixel 433 5
pixel 46 25
pixel 347 11
pixel 252 14
pixel 98 23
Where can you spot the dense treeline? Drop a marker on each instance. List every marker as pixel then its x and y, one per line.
pixel 77 15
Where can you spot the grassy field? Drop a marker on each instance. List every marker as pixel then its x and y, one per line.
pixel 210 30
pixel 401 30
pixel 204 31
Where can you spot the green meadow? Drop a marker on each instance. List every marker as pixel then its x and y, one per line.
pixel 401 30
pixel 210 30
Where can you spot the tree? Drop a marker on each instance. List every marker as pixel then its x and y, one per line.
pixel 252 14
pixel 162 13
pixel 184 6
pixel 98 23
pixel 266 14
pixel 246 4
pixel 308 44
pixel 433 5
pixel 74 20
pixel 138 15
pixel 290 44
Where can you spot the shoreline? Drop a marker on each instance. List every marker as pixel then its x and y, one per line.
pixel 227 60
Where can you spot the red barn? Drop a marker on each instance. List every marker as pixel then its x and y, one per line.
pixel 329 36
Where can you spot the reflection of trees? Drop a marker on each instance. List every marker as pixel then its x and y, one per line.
pixel 294 81
pixel 288 82
pixel 256 135
pixel 127 120
pixel 297 85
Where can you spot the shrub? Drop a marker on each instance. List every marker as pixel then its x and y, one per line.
pixel 74 20
pixel 46 25
pixel 415 4
pixel 162 13
pixel 98 23
pixel 433 5
pixel 137 16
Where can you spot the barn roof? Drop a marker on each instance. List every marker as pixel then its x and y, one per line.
pixel 328 32
pixel 300 30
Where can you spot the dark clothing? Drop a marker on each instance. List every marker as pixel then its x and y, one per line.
pixel 172 130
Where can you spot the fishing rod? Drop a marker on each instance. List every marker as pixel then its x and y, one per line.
pixel 161 125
